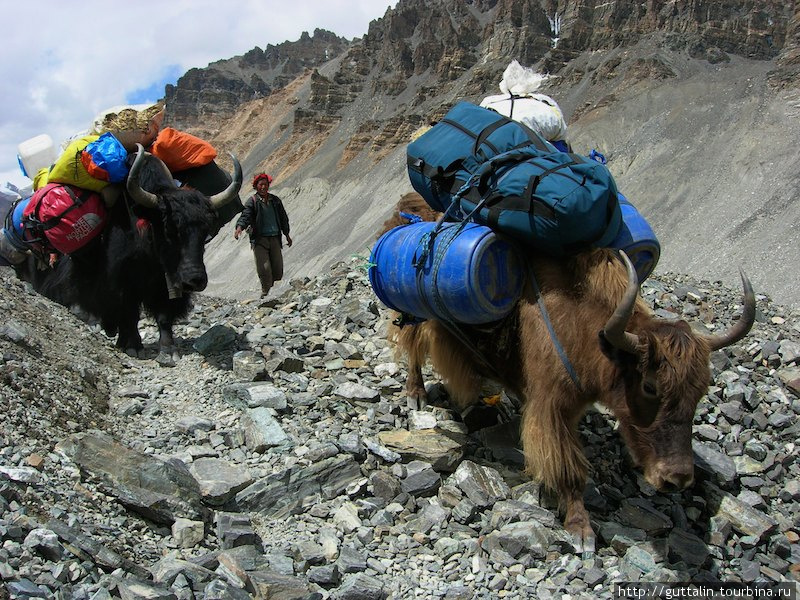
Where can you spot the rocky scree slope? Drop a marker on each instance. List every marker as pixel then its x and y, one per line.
pixel 281 459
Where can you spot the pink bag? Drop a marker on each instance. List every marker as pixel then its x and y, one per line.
pixel 63 217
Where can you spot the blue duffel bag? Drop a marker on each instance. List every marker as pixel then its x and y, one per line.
pixel 467 130
pixel 478 165
pixel 558 203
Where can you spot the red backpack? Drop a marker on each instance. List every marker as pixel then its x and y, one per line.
pixel 63 217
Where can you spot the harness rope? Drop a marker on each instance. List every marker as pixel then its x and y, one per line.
pixel 551 330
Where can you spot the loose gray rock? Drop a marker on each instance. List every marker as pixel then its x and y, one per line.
pixel 216 339
pixel 262 430
pixel 45 543
pixel 284 493
pixel 441 449
pixel 219 480
pixel 159 490
pixel 482 485
pixel 743 517
pixel 249 366
pixel 188 534
pixel 355 391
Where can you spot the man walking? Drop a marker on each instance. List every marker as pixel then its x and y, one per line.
pixel 266 219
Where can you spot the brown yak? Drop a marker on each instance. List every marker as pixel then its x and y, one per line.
pixel 650 372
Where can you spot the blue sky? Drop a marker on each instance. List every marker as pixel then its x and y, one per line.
pixel 63 63
pixel 155 91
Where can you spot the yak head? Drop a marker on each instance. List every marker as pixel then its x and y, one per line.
pixel 179 219
pixel 662 373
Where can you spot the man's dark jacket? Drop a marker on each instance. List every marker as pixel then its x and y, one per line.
pixel 249 215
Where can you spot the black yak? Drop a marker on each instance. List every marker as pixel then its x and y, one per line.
pixel 149 255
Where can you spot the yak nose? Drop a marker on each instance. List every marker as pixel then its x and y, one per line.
pixel 196 282
pixel 675 482
pixel 674 478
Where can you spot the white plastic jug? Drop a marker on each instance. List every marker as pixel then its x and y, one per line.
pixel 36 153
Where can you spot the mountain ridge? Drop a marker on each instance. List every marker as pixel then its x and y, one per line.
pixel 629 78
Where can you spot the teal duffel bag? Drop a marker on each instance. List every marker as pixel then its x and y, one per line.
pixel 559 203
pixel 467 130
pixel 477 164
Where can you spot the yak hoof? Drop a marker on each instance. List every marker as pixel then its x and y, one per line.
pixel 577 524
pixel 135 352
pixel 417 401
pixel 584 545
pixel 416 396
pixel 167 358
pixel 584 541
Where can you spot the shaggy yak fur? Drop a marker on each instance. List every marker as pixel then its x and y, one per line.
pixel 149 254
pixel 649 371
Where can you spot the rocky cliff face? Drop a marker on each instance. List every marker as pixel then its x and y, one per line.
pixel 754 29
pixel 331 118
pixel 788 72
pixel 221 88
pixel 421 54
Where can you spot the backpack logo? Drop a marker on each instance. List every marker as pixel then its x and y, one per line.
pixel 85 226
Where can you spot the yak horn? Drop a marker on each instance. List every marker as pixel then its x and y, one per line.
pixel 743 325
pixel 136 192
pixel 614 331
pixel 229 193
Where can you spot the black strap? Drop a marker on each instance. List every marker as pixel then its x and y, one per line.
pixel 11 232
pixel 434 173
pixel 527 202
pixel 477 138
pixel 530 189
pixel 534 138
pixel 8 222
pixel 482 137
pixel 486 132
pixel 493 219
pixel 556 169
pixel 459 334
pixel 498 204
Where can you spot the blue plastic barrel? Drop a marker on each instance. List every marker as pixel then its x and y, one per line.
pixel 469 276
pixel 637 239
pixel 13 225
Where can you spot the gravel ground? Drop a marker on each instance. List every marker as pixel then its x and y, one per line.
pixel 285 413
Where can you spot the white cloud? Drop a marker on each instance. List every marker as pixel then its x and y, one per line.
pixel 64 62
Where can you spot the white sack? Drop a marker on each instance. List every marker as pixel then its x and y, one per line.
pixel 538 111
